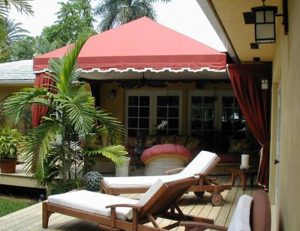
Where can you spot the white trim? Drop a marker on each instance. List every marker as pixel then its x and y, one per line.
pixel 16 82
pixel 169 69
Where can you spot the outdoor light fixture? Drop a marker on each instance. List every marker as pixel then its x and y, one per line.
pixel 112 94
pixel 263 18
pixel 264 22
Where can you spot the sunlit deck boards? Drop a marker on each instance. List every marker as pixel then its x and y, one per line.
pixel 31 218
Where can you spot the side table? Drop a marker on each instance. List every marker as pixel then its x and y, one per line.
pixel 243 174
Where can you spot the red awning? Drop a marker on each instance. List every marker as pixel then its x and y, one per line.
pixel 138 46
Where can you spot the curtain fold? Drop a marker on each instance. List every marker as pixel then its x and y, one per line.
pixel 255 104
pixel 38 111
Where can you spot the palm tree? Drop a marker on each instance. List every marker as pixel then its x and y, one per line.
pixel 118 12
pixel 10 33
pixel 71 119
pixel 14 31
pixel 22 6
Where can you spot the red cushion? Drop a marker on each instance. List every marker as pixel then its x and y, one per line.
pixel 160 150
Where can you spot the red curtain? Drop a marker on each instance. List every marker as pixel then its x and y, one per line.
pixel 38 111
pixel 255 102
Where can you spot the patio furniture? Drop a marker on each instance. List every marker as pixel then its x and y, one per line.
pixel 201 165
pixel 243 174
pixel 251 214
pixel 161 157
pixel 119 213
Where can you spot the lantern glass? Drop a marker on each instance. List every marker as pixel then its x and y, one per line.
pixel 264 31
pixel 264 23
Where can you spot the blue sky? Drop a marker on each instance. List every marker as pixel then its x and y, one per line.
pixel 184 16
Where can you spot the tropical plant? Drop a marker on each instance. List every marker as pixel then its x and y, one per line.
pixel 22 6
pixel 10 141
pixel 73 18
pixel 13 32
pixel 71 118
pixel 117 12
pixel 29 46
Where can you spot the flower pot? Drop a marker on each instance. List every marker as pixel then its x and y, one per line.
pixel 8 165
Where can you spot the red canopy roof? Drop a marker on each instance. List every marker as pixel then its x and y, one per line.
pixel 141 45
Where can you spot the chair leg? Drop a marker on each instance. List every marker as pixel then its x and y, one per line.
pixel 46 215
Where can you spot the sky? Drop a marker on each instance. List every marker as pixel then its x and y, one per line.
pixel 184 16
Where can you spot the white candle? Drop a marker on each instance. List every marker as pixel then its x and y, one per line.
pixel 245 161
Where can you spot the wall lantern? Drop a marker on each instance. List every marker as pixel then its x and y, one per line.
pixel 112 94
pixel 263 17
pixel 264 21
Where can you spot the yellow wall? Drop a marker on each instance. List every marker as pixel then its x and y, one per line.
pixel 286 72
pixel 5 90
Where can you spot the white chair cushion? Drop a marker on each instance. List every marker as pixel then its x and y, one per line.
pixel 241 218
pixel 93 202
pixel 201 163
pixel 139 181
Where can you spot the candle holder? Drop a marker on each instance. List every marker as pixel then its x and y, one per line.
pixel 245 161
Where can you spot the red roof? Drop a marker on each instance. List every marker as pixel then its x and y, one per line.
pixel 141 45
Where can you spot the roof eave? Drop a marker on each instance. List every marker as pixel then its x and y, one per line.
pixel 211 14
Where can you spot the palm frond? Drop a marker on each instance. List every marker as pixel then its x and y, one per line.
pixel 39 144
pixel 113 152
pixel 112 125
pixel 67 73
pixel 22 6
pixel 15 104
pixel 80 111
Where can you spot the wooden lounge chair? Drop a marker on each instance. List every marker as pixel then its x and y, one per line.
pixel 116 213
pixel 251 214
pixel 201 165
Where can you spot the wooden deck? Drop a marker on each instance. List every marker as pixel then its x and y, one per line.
pixel 30 218
pixel 20 178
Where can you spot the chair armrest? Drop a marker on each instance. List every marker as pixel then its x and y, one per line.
pixel 134 206
pixel 173 171
pixel 202 225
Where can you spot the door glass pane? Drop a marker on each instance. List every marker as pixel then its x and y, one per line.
pixel 202 114
pixel 138 115
pixel 232 117
pixel 167 114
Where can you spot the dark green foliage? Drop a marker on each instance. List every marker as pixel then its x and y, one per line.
pixel 117 12
pixel 74 18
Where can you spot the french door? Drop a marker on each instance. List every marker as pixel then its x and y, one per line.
pixel 153 112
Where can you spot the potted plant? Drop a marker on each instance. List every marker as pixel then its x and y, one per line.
pixel 10 140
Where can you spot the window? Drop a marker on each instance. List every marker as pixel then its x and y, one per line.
pixel 214 110
pixel 232 117
pixel 138 115
pixel 167 109
pixel 202 114
pixel 153 113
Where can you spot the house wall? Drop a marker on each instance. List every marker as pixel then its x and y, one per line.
pixel 286 75
pixel 5 90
